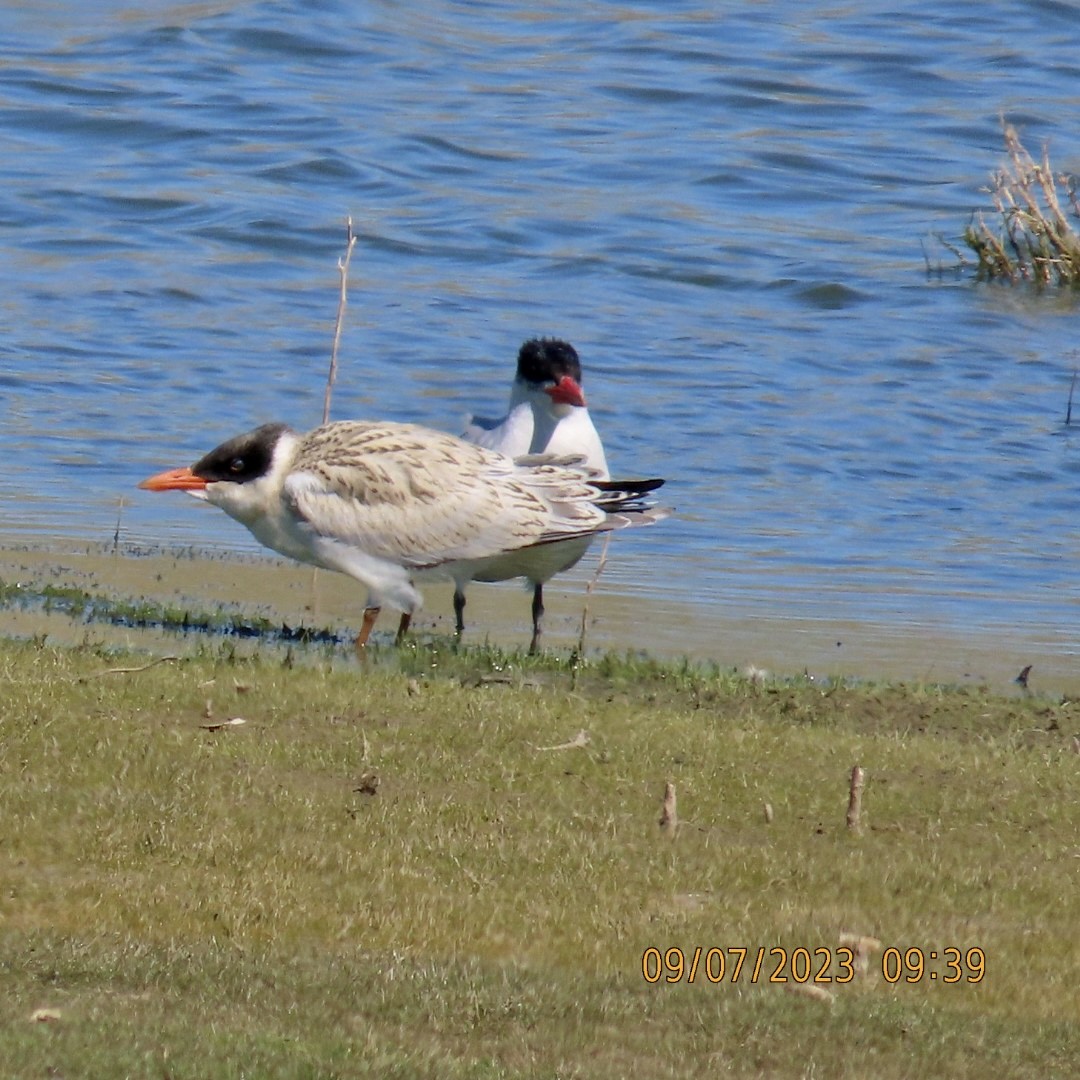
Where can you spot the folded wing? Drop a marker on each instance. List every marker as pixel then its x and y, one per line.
pixel 421 498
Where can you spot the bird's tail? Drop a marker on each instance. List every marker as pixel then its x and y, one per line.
pixel 625 495
pixel 631 516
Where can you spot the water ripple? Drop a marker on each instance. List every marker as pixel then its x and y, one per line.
pixel 723 212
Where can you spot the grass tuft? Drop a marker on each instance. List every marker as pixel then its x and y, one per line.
pixel 1035 240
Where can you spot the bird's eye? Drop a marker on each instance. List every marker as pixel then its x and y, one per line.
pixel 236 465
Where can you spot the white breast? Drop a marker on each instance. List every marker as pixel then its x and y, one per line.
pixel 511 435
pixel 572 434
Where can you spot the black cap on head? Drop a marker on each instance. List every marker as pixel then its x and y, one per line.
pixel 545 360
pixel 244 458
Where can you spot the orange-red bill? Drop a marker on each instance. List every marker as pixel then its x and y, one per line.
pixel 174 480
pixel 566 392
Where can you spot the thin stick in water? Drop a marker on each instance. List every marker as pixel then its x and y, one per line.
pixel 588 595
pixel 343 271
pixel 120 514
pixel 331 375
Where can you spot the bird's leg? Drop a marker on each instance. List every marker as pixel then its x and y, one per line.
pixel 537 614
pixel 370 615
pixel 459 611
pixel 403 626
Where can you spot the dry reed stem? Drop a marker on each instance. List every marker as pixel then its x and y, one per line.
pixel 127 670
pixel 219 725
pixel 343 299
pixel 669 818
pixel 1037 241
pixel 331 375
pixel 854 810
pixel 578 742
pixel 863 947
pixel 588 594
pixel 815 993
pixel 119 520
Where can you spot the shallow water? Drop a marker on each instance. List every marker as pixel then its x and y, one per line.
pixel 721 206
pixel 274 607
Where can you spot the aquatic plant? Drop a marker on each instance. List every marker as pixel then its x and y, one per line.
pixel 1036 242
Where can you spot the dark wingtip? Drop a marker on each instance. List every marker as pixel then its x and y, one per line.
pixel 638 487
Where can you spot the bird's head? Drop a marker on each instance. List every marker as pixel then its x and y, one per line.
pixel 549 373
pixel 232 474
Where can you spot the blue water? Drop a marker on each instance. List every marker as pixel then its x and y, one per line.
pixel 721 205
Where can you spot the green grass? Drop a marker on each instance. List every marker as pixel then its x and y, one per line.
pixel 234 904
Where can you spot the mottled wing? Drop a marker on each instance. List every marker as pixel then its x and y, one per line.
pixel 420 498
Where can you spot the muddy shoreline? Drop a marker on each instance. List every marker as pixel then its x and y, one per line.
pixel 281 593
